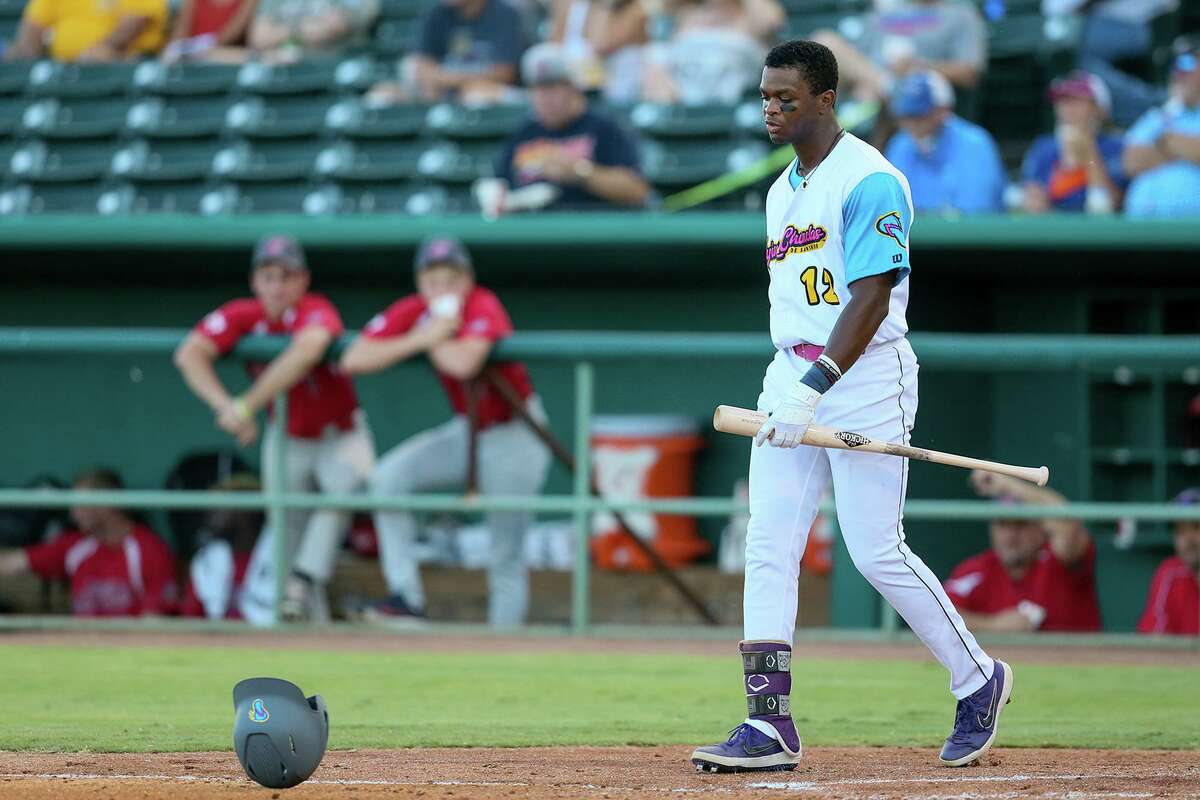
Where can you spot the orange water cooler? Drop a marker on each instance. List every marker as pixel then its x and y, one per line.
pixel 642 457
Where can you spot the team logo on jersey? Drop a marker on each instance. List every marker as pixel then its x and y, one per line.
pixel 258 712
pixel 852 439
pixel 795 240
pixel 889 225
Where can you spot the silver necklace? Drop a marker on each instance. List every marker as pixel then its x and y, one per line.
pixel 809 174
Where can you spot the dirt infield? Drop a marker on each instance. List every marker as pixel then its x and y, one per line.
pixel 610 772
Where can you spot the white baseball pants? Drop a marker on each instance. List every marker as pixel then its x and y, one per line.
pixel 877 398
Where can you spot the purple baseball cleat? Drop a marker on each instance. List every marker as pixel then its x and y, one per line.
pixel 976 718
pixel 746 750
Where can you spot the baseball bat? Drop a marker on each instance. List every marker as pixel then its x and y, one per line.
pixel 744 422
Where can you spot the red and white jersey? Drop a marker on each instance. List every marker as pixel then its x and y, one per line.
pixel 322 398
pixel 133 577
pixel 1173 604
pixel 483 316
pixel 981 585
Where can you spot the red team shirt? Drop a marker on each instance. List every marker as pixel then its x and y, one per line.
pixel 134 577
pixel 326 395
pixel 1173 605
pixel 981 585
pixel 483 316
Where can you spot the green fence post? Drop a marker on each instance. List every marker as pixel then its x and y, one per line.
pixel 276 506
pixel 583 496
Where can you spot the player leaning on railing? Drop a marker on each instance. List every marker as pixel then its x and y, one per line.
pixel 329 446
pixel 837 250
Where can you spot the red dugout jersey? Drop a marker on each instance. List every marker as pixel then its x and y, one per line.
pixel 483 315
pixel 1173 604
pixel 128 579
pixel 326 395
pixel 981 585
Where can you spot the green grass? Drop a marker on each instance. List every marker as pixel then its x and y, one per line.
pixel 168 699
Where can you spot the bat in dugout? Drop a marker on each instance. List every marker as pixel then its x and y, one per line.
pixel 744 422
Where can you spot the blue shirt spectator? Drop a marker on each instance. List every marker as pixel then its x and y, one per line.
pixel 952 165
pixel 1077 168
pixel 1162 150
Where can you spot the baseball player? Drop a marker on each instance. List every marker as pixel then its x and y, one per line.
pixel 455 323
pixel 837 251
pixel 329 446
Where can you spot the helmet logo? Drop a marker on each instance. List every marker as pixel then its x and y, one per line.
pixel 258 712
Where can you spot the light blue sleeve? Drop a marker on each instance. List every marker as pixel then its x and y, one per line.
pixel 1147 130
pixel 984 192
pixel 875 222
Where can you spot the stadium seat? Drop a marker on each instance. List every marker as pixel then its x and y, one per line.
pixel 12 109
pixel 354 119
pixel 13 76
pixel 53 79
pixel 180 117
pixel 399 9
pixel 154 77
pixel 165 160
pixel 370 160
pixel 255 117
pixel 302 77
pixel 61 162
pixel 394 37
pixel 684 163
pixel 285 197
pixel 69 198
pixel 385 198
pixel 75 119
pixel 461 122
pixel 666 121
pixel 168 198
pixel 455 162
pixel 266 161
pixel 8 29
pixel 361 73
pixel 12 9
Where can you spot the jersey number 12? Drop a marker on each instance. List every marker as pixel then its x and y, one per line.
pixel 809 277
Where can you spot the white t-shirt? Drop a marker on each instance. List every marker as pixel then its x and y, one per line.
pixel 852 221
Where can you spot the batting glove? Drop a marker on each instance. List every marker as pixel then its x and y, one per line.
pixel 786 425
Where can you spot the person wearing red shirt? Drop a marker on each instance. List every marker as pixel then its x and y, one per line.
pixel 455 323
pixel 211 30
pixel 1173 604
pixel 1038 575
pixel 117 566
pixel 329 446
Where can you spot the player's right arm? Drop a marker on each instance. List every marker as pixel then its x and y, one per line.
pixel 392 337
pixel 195 358
pixel 1069 539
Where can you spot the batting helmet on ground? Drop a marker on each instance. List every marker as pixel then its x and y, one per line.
pixel 278 734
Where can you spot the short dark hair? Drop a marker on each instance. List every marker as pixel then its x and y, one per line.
pixel 100 478
pixel 814 61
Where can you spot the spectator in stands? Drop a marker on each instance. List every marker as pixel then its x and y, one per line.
pixel 909 36
pixel 117 566
pixel 1162 151
pixel 584 157
pixel 468 51
pixel 952 166
pixel 219 567
pixel 604 42
pixel 1078 167
pixel 1173 604
pixel 1038 575
pixel 285 30
pixel 1113 33
pixel 211 30
pixel 455 323
pixel 329 445
pixel 89 30
pixel 715 52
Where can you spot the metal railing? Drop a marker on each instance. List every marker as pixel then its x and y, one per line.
pixel 939 351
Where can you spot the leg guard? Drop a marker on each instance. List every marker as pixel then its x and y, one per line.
pixel 768 677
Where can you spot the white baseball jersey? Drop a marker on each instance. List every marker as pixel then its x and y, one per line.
pixel 851 221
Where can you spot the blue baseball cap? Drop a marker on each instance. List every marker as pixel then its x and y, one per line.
pixel 921 93
pixel 1188 497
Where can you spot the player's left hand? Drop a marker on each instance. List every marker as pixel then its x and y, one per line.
pixel 786 425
